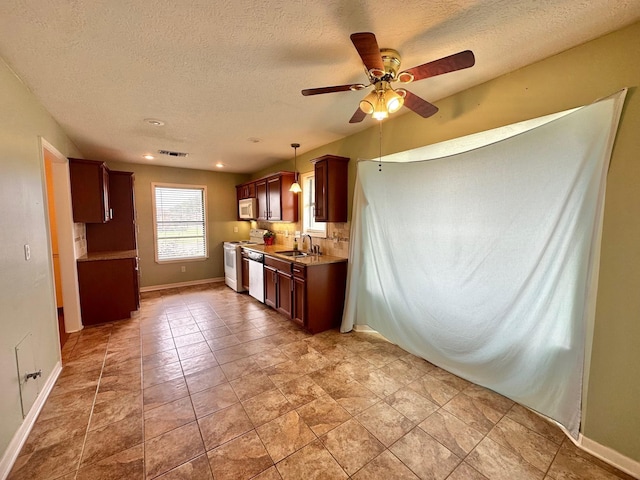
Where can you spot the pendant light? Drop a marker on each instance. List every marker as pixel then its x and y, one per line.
pixel 295 188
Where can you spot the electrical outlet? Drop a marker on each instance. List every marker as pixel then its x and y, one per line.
pixel 183 269
pixel 235 230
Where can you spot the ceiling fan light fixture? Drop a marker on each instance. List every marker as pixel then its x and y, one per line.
pixel 393 100
pixel 380 111
pixel 368 102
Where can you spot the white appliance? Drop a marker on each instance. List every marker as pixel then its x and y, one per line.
pixel 256 274
pixel 247 208
pixel 233 266
pixel 233 258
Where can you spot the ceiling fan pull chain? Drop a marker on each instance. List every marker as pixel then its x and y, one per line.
pixel 380 157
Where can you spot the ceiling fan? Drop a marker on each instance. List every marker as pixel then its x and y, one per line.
pixel 381 66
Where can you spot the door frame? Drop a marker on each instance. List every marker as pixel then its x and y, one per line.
pixel 66 236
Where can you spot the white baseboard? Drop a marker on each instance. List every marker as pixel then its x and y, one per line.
pixel 153 288
pixel 610 456
pixel 363 329
pixel 20 437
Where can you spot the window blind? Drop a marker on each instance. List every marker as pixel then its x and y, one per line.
pixel 180 222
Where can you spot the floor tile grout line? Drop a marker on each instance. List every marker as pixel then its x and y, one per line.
pixel 95 397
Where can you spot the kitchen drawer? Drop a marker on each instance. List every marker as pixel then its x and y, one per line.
pixel 299 271
pixel 281 265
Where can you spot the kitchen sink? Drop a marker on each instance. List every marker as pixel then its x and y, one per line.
pixel 292 253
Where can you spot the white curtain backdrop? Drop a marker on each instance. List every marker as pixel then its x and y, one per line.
pixel 483 261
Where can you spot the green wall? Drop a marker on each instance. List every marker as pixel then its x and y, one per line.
pixel 573 78
pixel 222 210
pixel 27 303
pixel 570 79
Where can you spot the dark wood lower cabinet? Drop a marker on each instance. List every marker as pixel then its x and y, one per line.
pixel 285 294
pixel 278 286
pixel 270 286
pixel 310 295
pixel 108 289
pixel 319 293
pixel 245 273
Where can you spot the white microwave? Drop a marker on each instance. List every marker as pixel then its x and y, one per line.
pixel 247 208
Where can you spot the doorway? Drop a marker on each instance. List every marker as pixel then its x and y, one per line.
pixel 62 240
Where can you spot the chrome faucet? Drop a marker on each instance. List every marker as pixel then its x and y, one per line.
pixel 310 242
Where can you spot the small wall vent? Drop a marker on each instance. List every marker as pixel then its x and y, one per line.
pixel 172 154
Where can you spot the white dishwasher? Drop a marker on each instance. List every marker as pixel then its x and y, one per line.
pixel 256 273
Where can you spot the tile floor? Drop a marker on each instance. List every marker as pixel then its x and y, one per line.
pixel 206 383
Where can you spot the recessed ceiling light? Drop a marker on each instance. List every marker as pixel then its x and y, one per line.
pixel 154 121
pixel 148 157
pixel 220 165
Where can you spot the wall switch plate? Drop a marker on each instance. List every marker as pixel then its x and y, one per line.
pixel 27 252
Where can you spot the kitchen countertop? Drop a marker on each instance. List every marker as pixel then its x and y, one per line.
pixel 309 260
pixel 117 255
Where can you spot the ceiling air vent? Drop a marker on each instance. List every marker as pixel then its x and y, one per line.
pixel 172 154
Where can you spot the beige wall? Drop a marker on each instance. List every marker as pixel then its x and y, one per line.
pixel 575 77
pixel 221 212
pixel 27 303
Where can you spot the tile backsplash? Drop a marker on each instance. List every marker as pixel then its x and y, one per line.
pixel 336 243
pixel 80 239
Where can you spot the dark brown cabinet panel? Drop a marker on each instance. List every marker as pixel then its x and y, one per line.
pixel 285 294
pixel 89 191
pixel 263 204
pixel 319 293
pixel 273 192
pixel 245 273
pixel 299 300
pixel 271 287
pixel 108 289
pixel 246 190
pixel 331 177
pixel 275 202
pixel 278 285
pixel 120 232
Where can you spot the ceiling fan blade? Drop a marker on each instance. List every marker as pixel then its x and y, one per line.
pixel 358 116
pixel 367 46
pixel 454 62
pixel 337 88
pixel 420 106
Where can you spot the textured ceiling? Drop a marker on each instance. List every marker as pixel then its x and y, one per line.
pixel 222 74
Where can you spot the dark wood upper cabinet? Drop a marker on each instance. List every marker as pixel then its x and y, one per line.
pixel 331 176
pixel 261 195
pixel 246 190
pixel 275 202
pixel 120 232
pixel 89 191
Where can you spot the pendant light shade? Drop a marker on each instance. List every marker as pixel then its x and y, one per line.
pixel 295 188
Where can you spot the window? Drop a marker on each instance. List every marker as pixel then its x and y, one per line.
pixel 179 221
pixel 309 225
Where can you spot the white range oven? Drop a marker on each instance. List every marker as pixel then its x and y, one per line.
pixel 233 258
